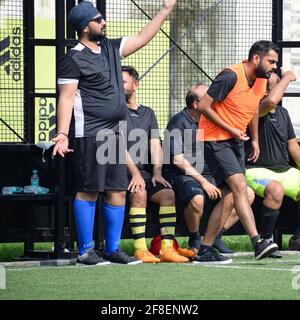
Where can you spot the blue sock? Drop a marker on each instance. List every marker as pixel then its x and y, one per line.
pixel 84 212
pixel 113 223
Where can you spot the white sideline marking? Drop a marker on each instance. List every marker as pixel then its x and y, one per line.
pixel 233 266
pixel 243 268
pixel 270 261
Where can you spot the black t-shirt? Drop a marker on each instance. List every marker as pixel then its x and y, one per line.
pixel 141 127
pixel 184 143
pixel 99 103
pixel 222 85
pixel 275 130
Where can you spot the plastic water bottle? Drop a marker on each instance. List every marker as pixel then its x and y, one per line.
pixel 35 189
pixel 11 190
pixel 35 178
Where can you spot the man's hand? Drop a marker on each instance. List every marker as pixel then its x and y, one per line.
pixel 61 146
pixel 137 183
pixel 158 178
pixel 255 152
pixel 288 74
pixel 169 4
pixel 239 135
pixel 212 191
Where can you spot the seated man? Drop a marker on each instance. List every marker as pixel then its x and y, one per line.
pixel 190 185
pixel 146 181
pixel 272 177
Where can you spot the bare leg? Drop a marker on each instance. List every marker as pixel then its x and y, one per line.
pixel 193 213
pixel 238 187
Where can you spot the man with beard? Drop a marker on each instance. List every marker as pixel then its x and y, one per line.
pixel 230 105
pixel 92 103
pixel 146 180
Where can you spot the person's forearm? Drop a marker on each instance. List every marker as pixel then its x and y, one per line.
pixel 253 126
pixel 275 95
pixel 181 163
pixel 212 116
pixel 294 151
pixel 147 33
pixel 64 114
pixel 156 156
pixel 132 168
pixel 151 29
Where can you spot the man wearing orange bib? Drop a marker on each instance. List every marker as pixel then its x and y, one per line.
pixel 230 105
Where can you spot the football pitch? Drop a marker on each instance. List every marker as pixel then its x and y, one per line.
pixel 244 279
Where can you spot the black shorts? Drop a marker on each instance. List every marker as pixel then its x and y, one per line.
pixel 186 188
pixel 88 174
pixel 224 158
pixel 151 190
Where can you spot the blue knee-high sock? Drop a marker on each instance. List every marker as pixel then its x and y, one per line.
pixel 84 212
pixel 113 223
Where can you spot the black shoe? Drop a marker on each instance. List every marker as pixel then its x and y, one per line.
pixel 91 258
pixel 219 245
pixel 294 244
pixel 210 256
pixel 120 256
pixel 276 255
pixel 264 249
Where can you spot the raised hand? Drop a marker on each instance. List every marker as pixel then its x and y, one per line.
pixel 169 4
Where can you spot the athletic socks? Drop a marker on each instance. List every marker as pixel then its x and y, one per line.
pixel 194 240
pixel 269 218
pixel 254 240
pixel 84 212
pixel 167 221
pixel 137 219
pixel 113 223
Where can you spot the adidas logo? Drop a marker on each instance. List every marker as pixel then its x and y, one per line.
pixel 11 54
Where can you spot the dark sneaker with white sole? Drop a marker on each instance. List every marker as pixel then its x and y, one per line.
pixel 210 256
pixel 91 258
pixel 220 246
pixel 122 257
pixel 294 244
pixel 276 255
pixel 264 249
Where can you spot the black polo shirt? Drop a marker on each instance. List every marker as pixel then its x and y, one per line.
pixel 100 101
pixel 141 127
pixel 275 130
pixel 182 121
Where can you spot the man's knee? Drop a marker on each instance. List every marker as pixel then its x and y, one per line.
pixel 196 204
pixel 115 198
pixel 237 184
pixel 166 197
pixel 274 191
pixel 138 199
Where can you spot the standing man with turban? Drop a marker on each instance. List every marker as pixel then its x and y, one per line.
pixel 91 104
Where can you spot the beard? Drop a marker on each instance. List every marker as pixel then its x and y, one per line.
pixel 128 95
pixel 261 72
pixel 95 37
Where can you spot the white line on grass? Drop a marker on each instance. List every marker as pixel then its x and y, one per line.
pixel 243 268
pixel 269 262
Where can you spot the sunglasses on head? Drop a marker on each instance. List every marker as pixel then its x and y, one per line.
pixel 97 19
